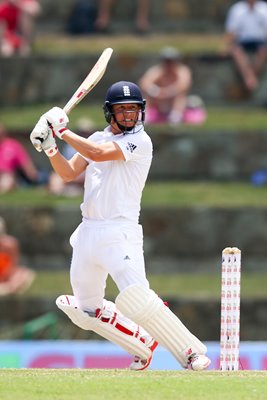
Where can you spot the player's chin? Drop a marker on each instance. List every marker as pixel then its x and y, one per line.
pixel 129 124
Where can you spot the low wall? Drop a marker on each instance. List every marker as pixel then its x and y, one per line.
pixel 164 16
pixel 215 156
pixel 200 155
pixel 52 79
pixel 201 316
pixel 176 239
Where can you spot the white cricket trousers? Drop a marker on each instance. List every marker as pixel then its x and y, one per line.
pixel 101 248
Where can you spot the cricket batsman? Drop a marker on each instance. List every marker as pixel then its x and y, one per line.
pixel 109 240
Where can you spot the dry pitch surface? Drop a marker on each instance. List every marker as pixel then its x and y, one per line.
pixel 62 384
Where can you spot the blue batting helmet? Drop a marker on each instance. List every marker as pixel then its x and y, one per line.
pixel 123 92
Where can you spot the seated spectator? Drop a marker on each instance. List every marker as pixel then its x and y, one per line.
pixel 166 88
pixel 246 39
pixel 141 19
pixel 14 160
pixel 14 278
pixel 82 17
pixel 17 19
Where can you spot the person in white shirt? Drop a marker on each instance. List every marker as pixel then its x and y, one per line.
pixel 246 38
pixel 109 239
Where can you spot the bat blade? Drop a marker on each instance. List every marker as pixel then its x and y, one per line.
pixel 90 81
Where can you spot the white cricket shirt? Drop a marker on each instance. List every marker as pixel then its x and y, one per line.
pixel 113 189
pixel 247 23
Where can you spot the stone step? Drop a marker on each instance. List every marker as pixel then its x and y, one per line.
pixel 164 16
pixel 39 78
pixel 175 239
pixel 222 156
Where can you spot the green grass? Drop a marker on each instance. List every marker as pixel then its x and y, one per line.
pixel 123 44
pixel 37 197
pixel 193 286
pixel 121 384
pixel 27 116
pixel 204 194
pixel 158 194
pixel 220 119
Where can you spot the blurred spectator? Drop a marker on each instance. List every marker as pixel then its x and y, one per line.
pixel 141 19
pixel 13 160
pixel 17 18
pixel 14 278
pixel 166 87
pixel 246 38
pixel 82 17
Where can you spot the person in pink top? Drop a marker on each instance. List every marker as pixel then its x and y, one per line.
pixel 13 158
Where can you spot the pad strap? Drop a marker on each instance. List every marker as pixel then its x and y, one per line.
pixel 109 323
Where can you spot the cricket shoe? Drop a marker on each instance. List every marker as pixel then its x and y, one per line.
pixel 198 362
pixel 138 364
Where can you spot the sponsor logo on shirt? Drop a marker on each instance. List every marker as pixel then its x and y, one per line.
pixel 131 147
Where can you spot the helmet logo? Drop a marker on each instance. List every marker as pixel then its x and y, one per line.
pixel 126 91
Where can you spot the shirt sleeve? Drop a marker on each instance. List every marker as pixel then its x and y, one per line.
pixel 133 147
pixel 232 19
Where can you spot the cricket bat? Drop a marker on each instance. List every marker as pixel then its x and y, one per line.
pixel 90 81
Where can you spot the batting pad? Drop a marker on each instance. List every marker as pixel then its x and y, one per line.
pixel 145 308
pixel 109 324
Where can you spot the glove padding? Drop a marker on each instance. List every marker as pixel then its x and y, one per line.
pixel 39 133
pixel 49 145
pixel 57 120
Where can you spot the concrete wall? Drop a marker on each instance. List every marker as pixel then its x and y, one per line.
pixel 43 79
pixel 216 156
pixel 176 239
pixel 167 15
pixel 201 316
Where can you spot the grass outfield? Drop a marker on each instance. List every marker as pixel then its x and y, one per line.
pixel 220 119
pixel 158 194
pixel 187 43
pixel 62 384
pixel 193 286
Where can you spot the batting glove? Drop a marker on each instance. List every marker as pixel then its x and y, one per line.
pixel 49 145
pixel 39 133
pixel 57 120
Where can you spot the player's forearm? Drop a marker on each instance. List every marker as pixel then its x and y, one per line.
pixel 62 167
pixel 83 146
